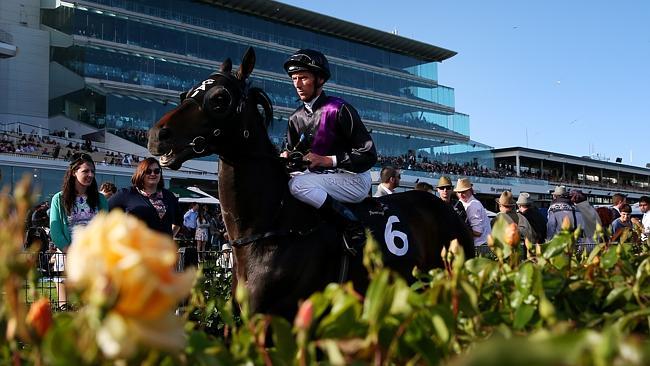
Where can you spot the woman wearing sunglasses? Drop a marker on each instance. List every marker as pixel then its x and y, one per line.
pixel 147 200
pixel 74 206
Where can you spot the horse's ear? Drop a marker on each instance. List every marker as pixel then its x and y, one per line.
pixel 247 64
pixel 226 65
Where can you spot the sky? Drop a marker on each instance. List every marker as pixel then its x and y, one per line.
pixel 567 76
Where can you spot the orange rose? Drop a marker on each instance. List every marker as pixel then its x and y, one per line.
pixel 39 316
pixel 118 262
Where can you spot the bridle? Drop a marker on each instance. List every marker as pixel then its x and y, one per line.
pixel 203 94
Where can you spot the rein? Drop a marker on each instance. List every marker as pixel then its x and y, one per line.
pixel 247 240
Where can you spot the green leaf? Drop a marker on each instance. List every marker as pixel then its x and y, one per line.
pixel 596 251
pixel 523 315
pixel 283 340
pixel 560 261
pixel 516 299
pixel 609 259
pixel 342 320
pixel 379 298
pixel 401 300
pixel 546 309
pixel 59 345
pixel 524 278
pixel 441 328
pixel 617 293
pixel 556 246
pixel 470 294
pixel 476 265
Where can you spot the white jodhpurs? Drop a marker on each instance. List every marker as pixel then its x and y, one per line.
pixel 312 188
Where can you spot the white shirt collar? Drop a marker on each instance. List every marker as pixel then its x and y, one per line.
pixel 309 106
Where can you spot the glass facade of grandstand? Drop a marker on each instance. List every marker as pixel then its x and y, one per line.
pixel 137 56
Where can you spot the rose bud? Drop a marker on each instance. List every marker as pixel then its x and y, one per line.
pixel 305 315
pixel 512 235
pixel 39 316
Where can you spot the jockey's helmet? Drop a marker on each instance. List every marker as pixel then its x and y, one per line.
pixel 308 60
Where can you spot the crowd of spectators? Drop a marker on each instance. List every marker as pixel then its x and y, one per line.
pixel 136 135
pixel 441 165
pixel 61 145
pixel 425 164
pixel 57 146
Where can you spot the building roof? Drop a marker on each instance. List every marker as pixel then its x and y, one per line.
pixel 570 159
pixel 320 23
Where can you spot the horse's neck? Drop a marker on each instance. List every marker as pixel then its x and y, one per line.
pixel 251 191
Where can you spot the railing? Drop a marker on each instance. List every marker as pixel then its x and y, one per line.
pixel 485 251
pixel 97 156
pixel 50 266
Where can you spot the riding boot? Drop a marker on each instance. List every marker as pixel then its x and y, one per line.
pixel 354 235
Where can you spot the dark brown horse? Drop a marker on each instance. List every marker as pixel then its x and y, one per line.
pixel 283 251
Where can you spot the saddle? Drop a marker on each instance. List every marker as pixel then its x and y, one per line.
pixel 380 216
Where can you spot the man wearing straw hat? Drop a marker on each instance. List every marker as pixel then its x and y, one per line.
pixel 476 214
pixel 507 212
pixel 445 192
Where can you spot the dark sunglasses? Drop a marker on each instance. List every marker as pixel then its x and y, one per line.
pixel 447 188
pixel 152 171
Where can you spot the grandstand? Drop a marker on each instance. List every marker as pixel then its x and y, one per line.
pixel 108 69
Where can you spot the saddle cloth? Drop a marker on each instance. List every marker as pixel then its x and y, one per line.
pixel 393 236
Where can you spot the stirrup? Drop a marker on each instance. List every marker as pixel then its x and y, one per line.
pixel 350 250
pixel 353 244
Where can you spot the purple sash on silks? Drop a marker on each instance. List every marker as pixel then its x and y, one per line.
pixel 327 128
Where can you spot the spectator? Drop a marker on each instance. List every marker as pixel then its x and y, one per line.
pixel 424 186
pixel 644 225
pixel 390 178
pixel 202 230
pixel 189 219
pixel 590 218
pixel 217 230
pixel 618 200
pixel 74 206
pixel 535 218
pixel 57 150
pixel 445 190
pixel 623 222
pixel 561 207
pixel 507 211
pixel 476 213
pixel 148 200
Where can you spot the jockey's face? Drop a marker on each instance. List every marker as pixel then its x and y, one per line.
pixel 306 85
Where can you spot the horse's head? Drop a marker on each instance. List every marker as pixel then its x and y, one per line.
pixel 212 115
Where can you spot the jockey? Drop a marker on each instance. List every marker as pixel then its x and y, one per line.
pixel 337 145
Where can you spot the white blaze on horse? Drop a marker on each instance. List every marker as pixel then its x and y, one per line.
pixel 283 250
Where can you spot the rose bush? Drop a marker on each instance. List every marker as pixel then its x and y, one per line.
pixel 557 305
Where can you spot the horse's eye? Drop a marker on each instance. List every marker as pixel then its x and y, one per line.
pixel 220 101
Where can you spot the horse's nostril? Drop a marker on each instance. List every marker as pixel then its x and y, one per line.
pixel 164 133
